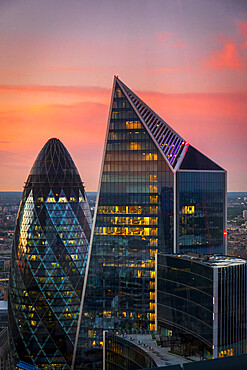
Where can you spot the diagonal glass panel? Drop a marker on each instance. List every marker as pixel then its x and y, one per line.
pixel 45 284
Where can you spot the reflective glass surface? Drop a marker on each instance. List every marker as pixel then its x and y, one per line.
pixel 49 256
pixel 232 320
pixel 201 211
pixel 134 219
pixel 205 301
pixel 122 354
pixel 185 297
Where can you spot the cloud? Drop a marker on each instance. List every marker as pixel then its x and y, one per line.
pixel 159 70
pixel 163 37
pixel 70 90
pixel 243 33
pixel 12 158
pixel 214 123
pixel 80 126
pixel 179 44
pixel 243 29
pixel 228 57
pixel 81 119
pixel 168 38
pixel 20 72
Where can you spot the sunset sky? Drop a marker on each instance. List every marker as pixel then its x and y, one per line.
pixel 187 59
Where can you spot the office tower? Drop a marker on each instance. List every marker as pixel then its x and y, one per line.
pixel 49 255
pixel 201 301
pixel 156 193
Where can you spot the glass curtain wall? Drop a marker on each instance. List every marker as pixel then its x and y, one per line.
pixel 201 212
pixel 185 299
pixel 134 219
pixel 232 332
pixel 49 255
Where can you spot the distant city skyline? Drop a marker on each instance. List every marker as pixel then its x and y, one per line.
pixel 186 59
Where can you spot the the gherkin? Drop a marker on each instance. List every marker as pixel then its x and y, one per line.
pixel 49 255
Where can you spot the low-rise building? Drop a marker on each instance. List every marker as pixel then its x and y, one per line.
pixel 136 351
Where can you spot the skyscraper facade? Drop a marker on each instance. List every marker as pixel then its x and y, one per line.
pixel 156 193
pixel 202 300
pixel 49 255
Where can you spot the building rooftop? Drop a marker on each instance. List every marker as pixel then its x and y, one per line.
pixel 160 355
pixel 3 305
pixel 213 261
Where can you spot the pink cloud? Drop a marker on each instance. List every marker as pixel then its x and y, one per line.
pixel 158 70
pixel 70 90
pixel 163 36
pixel 243 29
pixel 80 126
pixel 167 37
pixel 243 33
pixel 214 123
pixel 179 44
pixel 231 54
pixel 50 69
pixel 228 57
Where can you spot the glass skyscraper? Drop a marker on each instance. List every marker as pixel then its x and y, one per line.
pixel 202 300
pixel 156 193
pixel 49 256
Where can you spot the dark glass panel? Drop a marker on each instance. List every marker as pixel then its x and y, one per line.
pixel 201 211
pixel 134 219
pixel 48 261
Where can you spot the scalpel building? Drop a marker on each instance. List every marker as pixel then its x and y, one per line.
pixel 156 193
pixel 48 263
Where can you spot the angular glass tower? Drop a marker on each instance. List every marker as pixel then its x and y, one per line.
pixel 49 256
pixel 156 193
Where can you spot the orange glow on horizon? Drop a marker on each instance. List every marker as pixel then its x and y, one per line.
pixel 56 79
pixel 82 124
